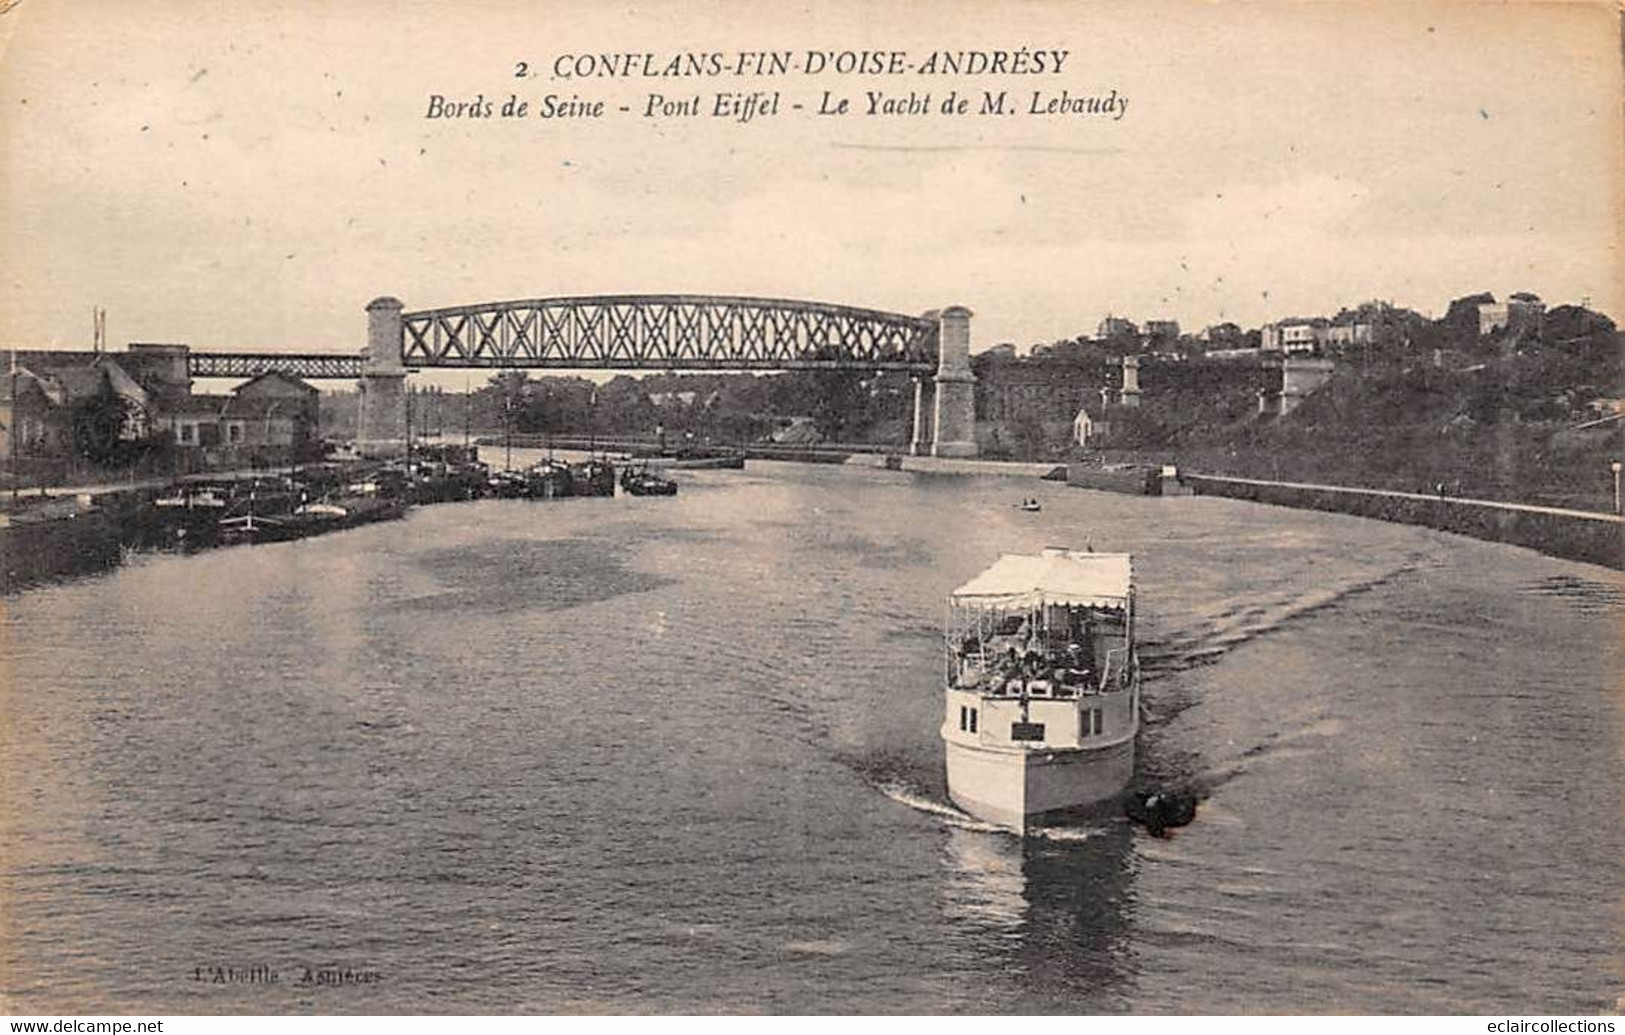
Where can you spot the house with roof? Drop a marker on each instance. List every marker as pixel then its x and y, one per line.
pixel 274 413
pixel 194 420
pixel 1092 423
pixel 32 419
pixel 1294 336
pixel 43 390
pixel 1162 330
pixel 1520 309
pixel 1116 327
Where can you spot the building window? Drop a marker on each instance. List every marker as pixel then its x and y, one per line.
pixel 187 433
pixel 1099 719
pixel 973 720
pixel 964 718
pixel 234 433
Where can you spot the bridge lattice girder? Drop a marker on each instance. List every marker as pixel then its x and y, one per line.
pixel 668 332
pixel 307 365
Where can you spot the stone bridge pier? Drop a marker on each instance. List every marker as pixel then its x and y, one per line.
pixel 1300 378
pixel 381 430
pixel 953 422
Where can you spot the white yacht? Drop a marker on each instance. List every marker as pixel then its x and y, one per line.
pixel 1043 685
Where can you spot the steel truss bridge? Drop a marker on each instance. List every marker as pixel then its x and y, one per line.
pixel 630 332
pixel 307 365
pixel 667 332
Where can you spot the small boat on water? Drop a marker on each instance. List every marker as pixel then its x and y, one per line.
pixel 252 528
pixel 435 481
pixel 1030 506
pixel 1043 686
pixel 202 497
pixel 548 480
pixel 696 461
pixel 593 478
pixel 322 510
pixel 507 485
pixel 189 515
pixel 645 482
pixel 1159 810
pixel 349 511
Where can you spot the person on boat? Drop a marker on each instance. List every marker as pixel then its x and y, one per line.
pixel 1035 639
pixel 1086 640
pixel 1010 672
pixel 1073 671
pixel 1076 659
pixel 1033 661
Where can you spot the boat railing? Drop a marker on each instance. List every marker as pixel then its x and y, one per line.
pixel 984 671
pixel 1117 672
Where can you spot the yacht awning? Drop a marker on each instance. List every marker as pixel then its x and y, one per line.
pixel 1056 577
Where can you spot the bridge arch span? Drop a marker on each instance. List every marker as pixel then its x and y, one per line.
pixel 666 332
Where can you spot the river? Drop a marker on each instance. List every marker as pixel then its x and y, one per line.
pixel 672 755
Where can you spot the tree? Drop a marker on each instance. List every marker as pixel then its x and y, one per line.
pixel 100 427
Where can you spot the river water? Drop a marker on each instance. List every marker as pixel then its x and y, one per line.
pixel 660 755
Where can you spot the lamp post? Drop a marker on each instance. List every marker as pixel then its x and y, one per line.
pixel 507 428
pixel 1614 467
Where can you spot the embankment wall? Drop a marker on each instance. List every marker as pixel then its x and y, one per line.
pixel 1573 534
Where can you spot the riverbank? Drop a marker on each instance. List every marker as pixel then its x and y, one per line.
pixel 951 466
pixel 52 533
pixel 1578 535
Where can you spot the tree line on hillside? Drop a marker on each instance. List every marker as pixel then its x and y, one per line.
pixel 844 405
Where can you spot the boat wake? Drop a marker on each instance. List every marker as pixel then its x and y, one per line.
pixel 1585 596
pixel 947 813
pixel 1246 620
pixel 953 817
pixel 1065 834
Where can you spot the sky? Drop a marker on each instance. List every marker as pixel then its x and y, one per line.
pixel 249 175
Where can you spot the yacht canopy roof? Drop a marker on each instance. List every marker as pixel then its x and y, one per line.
pixel 1055 577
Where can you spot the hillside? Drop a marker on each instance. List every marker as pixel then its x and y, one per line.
pixel 1501 426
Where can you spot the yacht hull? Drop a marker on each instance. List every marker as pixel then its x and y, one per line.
pixel 1013 787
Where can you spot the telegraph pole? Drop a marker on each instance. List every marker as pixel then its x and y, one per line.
pixel 12 446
